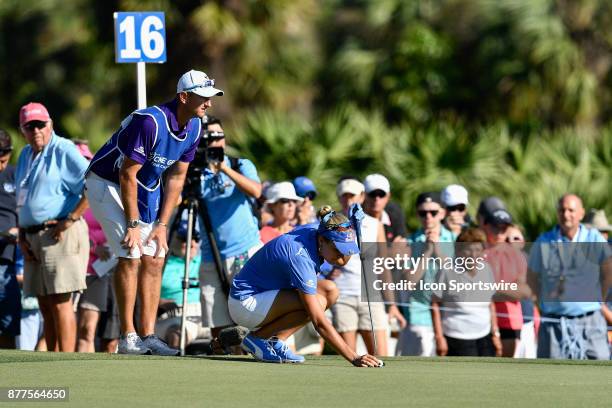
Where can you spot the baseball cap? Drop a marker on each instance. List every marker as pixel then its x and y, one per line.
pixel 454 194
pixel 350 186
pixel 343 236
pixel 428 197
pixel 493 211
pixel 198 83
pixel 376 182
pixel 303 186
pixel 282 190
pixel 33 111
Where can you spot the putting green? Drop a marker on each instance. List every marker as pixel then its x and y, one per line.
pixel 100 380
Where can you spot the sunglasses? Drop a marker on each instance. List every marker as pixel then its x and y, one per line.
pixel 514 239
pixel 35 124
pixel 377 194
pixel 285 201
pixel 458 207
pixel 206 84
pixel 423 213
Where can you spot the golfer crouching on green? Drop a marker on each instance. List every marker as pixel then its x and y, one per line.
pixel 278 290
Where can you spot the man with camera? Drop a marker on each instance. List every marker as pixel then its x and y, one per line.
pixel 229 186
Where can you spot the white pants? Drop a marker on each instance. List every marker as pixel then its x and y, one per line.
pixel 105 201
pixel 251 311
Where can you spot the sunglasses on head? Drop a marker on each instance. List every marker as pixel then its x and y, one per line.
pixel 5 151
pixel 458 207
pixel 206 84
pixel 377 194
pixel 423 213
pixel 35 124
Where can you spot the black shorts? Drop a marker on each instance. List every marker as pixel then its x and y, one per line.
pixel 508 334
pixel 482 347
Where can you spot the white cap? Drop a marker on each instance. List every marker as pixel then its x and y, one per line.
pixel 198 83
pixel 350 186
pixel 376 182
pixel 454 194
pixel 282 190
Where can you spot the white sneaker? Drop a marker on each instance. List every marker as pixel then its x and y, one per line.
pixel 130 343
pixel 158 346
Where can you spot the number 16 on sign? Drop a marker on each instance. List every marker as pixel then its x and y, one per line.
pixel 140 38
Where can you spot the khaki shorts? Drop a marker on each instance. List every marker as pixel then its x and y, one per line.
pixel 214 301
pixel 62 265
pixel 351 314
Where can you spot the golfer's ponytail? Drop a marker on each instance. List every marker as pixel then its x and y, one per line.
pixel 328 216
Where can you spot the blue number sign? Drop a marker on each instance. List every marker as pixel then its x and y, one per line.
pixel 140 37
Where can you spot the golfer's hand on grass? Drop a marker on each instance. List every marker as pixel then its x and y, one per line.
pixel 159 235
pixel 366 360
pixel 441 346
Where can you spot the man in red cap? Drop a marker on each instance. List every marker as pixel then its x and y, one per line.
pixel 52 234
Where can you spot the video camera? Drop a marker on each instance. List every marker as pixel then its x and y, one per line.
pixel 203 156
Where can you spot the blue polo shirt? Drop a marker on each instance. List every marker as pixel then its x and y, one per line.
pixel 290 261
pixel 418 313
pixel 51 181
pixel 234 225
pixel 544 260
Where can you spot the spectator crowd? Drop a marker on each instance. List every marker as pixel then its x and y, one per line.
pixel 82 269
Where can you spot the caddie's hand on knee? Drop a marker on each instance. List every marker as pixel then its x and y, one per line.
pixel 132 240
pixel 158 234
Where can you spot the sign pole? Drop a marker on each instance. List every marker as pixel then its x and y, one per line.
pixel 141 74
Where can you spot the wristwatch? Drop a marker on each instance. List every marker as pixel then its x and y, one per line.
pixel 132 223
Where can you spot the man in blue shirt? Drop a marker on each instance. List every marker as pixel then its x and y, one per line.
pixel 227 189
pixel 53 236
pixel 569 286
pixel 124 186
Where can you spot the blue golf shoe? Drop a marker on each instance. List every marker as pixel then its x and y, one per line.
pixel 284 352
pixel 260 349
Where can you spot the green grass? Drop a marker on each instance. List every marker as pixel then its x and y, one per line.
pixel 115 381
